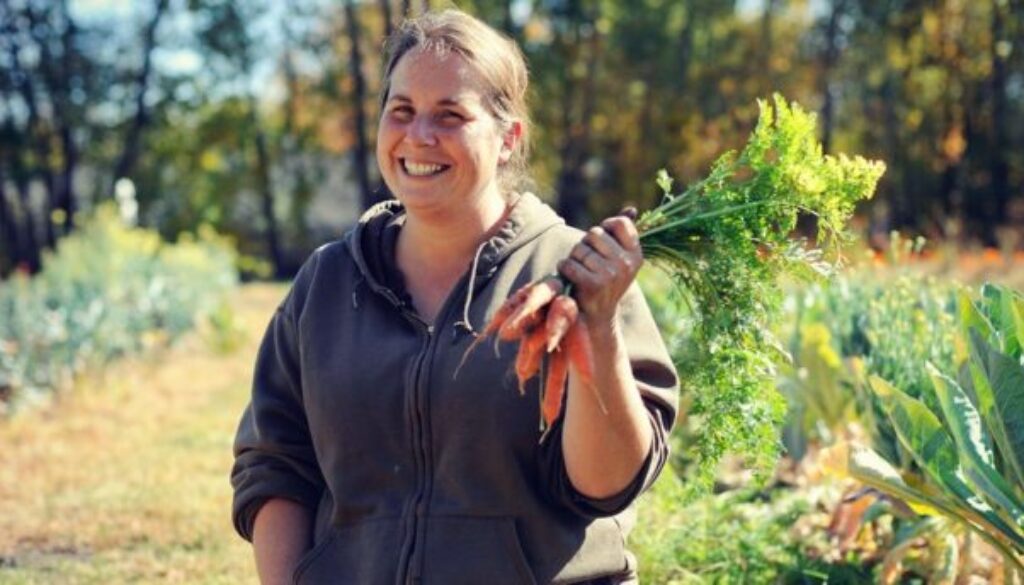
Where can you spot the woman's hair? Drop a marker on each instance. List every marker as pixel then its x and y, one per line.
pixel 495 56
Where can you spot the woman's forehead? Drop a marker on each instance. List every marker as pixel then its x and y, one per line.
pixel 426 74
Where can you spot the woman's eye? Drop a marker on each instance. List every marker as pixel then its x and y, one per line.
pixel 401 112
pixel 449 117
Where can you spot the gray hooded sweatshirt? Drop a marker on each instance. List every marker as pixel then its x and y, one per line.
pixel 416 475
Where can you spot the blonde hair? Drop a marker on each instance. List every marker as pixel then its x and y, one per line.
pixel 495 56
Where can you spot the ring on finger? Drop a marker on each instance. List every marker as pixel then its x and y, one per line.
pixel 594 261
pixel 582 256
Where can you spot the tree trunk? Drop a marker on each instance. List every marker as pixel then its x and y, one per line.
pixel 8 231
pixel 1000 196
pixel 361 155
pixel 36 133
pixel 572 192
pixel 829 61
pixel 686 47
pixel 60 90
pixel 29 253
pixel 508 24
pixel 898 208
pixel 265 188
pixel 385 12
pixel 130 153
pixel 767 45
pixel 292 153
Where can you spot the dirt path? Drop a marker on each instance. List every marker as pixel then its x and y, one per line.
pixel 125 478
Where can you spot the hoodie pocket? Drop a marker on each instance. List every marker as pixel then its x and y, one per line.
pixel 364 553
pixel 461 550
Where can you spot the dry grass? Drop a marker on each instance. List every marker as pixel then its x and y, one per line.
pixel 125 478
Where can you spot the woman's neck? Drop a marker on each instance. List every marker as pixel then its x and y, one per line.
pixel 433 253
pixel 448 242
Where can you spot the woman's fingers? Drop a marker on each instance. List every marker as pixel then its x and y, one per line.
pixel 590 258
pixel 602 242
pixel 603 265
pixel 579 273
pixel 624 231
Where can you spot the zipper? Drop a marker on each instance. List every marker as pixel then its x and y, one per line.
pixel 409 567
pixel 413 511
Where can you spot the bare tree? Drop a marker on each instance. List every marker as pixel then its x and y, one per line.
pixel 829 60
pixel 575 150
pixel 385 14
pixel 37 133
pixel 1000 167
pixel 362 150
pixel 130 152
pixel 9 254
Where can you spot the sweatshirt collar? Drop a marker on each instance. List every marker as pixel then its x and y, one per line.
pixel 527 220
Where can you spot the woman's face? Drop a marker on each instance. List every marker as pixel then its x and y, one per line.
pixel 438 145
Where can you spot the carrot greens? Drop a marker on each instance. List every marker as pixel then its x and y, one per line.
pixel 727 242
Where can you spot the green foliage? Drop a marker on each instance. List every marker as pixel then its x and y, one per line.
pixel 741 536
pixel 889 327
pixel 726 240
pixel 817 386
pixel 969 447
pixel 729 538
pixel 107 291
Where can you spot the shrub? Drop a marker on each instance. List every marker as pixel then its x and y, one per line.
pixel 108 290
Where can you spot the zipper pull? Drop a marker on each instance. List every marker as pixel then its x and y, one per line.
pixel 430 330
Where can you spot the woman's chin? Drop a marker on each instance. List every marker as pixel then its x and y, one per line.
pixel 421 201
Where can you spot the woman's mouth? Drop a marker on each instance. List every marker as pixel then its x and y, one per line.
pixel 421 169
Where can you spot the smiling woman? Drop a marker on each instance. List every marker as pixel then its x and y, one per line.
pixel 362 457
pixel 439 148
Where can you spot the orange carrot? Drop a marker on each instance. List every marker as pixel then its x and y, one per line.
pixel 500 316
pixel 581 356
pixel 554 386
pixel 506 310
pixel 531 352
pixel 529 313
pixel 562 313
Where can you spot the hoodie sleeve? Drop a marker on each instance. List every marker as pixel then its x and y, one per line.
pixel 274 455
pixel 658 384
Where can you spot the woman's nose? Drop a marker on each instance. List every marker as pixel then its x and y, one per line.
pixel 422 131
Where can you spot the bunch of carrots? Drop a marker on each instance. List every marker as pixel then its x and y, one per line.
pixel 727 243
pixel 544 319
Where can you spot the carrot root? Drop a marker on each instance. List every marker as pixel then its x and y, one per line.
pixel 531 353
pixel 554 386
pixel 562 313
pixel 581 356
pixel 500 317
pixel 529 313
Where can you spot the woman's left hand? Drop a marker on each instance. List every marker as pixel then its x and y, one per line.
pixel 602 266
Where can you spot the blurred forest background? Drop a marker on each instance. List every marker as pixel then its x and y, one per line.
pixel 257 118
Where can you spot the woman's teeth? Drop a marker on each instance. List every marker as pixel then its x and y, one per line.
pixel 422 169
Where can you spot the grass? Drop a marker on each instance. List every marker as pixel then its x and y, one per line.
pixel 124 479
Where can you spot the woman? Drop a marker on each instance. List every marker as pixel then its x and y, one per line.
pixel 362 458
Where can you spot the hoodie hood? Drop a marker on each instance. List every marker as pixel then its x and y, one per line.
pixel 371 242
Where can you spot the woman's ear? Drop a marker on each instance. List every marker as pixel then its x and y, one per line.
pixel 510 140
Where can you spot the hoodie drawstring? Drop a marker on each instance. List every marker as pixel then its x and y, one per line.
pixel 355 292
pixel 465 322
